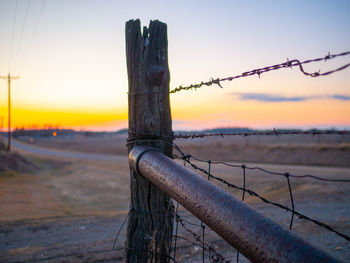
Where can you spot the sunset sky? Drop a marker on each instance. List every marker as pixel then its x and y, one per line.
pixel 70 56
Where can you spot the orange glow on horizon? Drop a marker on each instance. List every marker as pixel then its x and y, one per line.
pixel 253 114
pixel 208 114
pixel 38 118
pixel 71 60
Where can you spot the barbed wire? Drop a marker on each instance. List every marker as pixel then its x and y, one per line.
pixel 199 240
pixel 275 132
pixel 245 166
pixel 259 71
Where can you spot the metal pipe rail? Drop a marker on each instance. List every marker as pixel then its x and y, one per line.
pixel 251 233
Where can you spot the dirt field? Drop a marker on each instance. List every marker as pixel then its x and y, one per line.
pixel 325 150
pixel 70 209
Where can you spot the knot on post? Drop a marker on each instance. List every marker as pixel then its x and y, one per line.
pixel 186 157
pixel 156 74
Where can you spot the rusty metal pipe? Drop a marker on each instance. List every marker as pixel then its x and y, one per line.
pixel 254 235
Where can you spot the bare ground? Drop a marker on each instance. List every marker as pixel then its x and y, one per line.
pixel 15 162
pixel 70 209
pixel 325 150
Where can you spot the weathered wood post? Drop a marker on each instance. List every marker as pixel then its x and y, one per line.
pixel 150 222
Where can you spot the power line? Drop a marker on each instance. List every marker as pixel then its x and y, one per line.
pixel 22 33
pixel 33 34
pixel 12 37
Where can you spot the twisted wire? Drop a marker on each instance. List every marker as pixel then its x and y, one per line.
pixel 274 132
pixel 259 71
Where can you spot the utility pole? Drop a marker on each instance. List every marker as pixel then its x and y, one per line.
pixel 9 78
pixel 2 129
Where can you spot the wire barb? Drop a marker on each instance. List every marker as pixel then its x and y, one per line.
pixel 262 133
pixel 259 71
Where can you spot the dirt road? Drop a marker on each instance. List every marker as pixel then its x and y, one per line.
pixel 17 145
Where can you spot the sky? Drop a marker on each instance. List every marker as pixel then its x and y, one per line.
pixel 70 56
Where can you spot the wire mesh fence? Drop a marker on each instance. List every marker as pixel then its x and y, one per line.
pixel 203 245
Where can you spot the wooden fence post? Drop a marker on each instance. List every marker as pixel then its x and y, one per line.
pixel 150 222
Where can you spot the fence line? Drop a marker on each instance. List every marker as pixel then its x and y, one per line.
pixel 263 133
pixel 159 170
pixel 168 175
pixel 187 157
pixel 273 132
pixel 259 71
pixel 253 193
pixel 244 166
